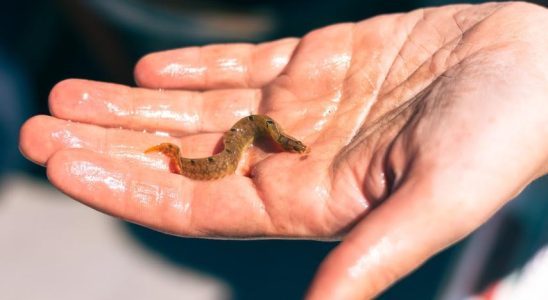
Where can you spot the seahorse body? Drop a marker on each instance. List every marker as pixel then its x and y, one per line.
pixel 236 141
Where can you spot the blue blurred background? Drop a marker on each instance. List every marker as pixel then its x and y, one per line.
pixel 52 247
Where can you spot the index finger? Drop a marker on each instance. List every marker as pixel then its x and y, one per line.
pixel 215 66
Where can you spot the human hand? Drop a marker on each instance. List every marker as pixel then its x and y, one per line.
pixel 420 125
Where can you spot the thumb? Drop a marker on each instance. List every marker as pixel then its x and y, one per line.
pixel 398 236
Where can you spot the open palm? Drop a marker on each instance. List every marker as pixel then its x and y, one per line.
pixel 420 126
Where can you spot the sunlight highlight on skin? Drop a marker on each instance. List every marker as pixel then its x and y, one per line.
pixel 116 110
pixel 156 163
pixel 240 113
pixel 145 193
pixel 190 118
pixel 338 61
pixel 382 179
pixel 94 174
pixel 329 110
pixel 165 112
pixel 65 137
pixel 84 98
pixel 372 257
pixel 152 195
pixel 334 63
pixel 161 133
pixel 231 64
pixel 176 70
pixel 337 96
pixel 279 61
pixel 321 192
pixel 180 206
pixel 318 126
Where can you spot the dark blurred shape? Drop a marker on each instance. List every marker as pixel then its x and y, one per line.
pixel 502 247
pixel 259 269
pixel 15 98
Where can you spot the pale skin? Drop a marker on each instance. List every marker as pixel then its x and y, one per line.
pixel 420 126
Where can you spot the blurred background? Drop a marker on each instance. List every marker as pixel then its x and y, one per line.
pixel 54 248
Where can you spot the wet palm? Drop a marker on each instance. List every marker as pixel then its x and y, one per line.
pixel 420 126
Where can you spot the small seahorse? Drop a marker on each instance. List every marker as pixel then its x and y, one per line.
pixel 236 140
